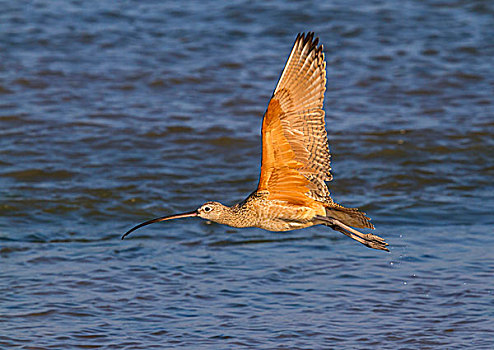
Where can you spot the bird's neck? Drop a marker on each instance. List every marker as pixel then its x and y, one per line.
pixel 237 216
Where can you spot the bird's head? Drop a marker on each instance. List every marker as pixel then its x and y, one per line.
pixel 211 211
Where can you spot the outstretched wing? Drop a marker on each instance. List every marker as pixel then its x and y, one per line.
pixel 295 152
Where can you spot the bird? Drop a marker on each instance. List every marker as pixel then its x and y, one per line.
pixel 295 163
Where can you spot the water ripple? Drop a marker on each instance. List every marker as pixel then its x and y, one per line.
pixel 117 112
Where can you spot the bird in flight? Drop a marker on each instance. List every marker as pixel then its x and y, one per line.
pixel 292 191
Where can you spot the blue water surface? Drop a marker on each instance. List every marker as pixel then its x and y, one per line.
pixel 112 113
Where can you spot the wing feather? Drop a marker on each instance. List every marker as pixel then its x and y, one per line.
pixel 295 155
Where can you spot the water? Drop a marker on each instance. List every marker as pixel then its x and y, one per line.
pixel 112 113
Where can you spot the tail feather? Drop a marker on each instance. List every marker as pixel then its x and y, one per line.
pixel 349 216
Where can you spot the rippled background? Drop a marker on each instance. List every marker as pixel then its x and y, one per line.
pixel 112 113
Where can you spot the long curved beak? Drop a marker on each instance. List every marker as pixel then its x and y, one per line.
pixel 163 218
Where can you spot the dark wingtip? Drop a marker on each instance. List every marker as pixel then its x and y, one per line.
pixel 311 39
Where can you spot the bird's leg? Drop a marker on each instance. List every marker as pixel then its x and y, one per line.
pixel 369 240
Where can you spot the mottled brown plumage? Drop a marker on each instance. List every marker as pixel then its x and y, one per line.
pixel 292 191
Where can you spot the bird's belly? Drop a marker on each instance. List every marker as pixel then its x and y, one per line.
pixel 283 218
pixel 283 225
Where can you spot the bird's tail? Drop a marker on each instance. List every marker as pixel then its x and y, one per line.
pixel 340 219
pixel 349 216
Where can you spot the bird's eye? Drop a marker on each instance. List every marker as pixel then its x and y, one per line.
pixel 207 209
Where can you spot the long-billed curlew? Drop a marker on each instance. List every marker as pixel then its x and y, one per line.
pixel 292 192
